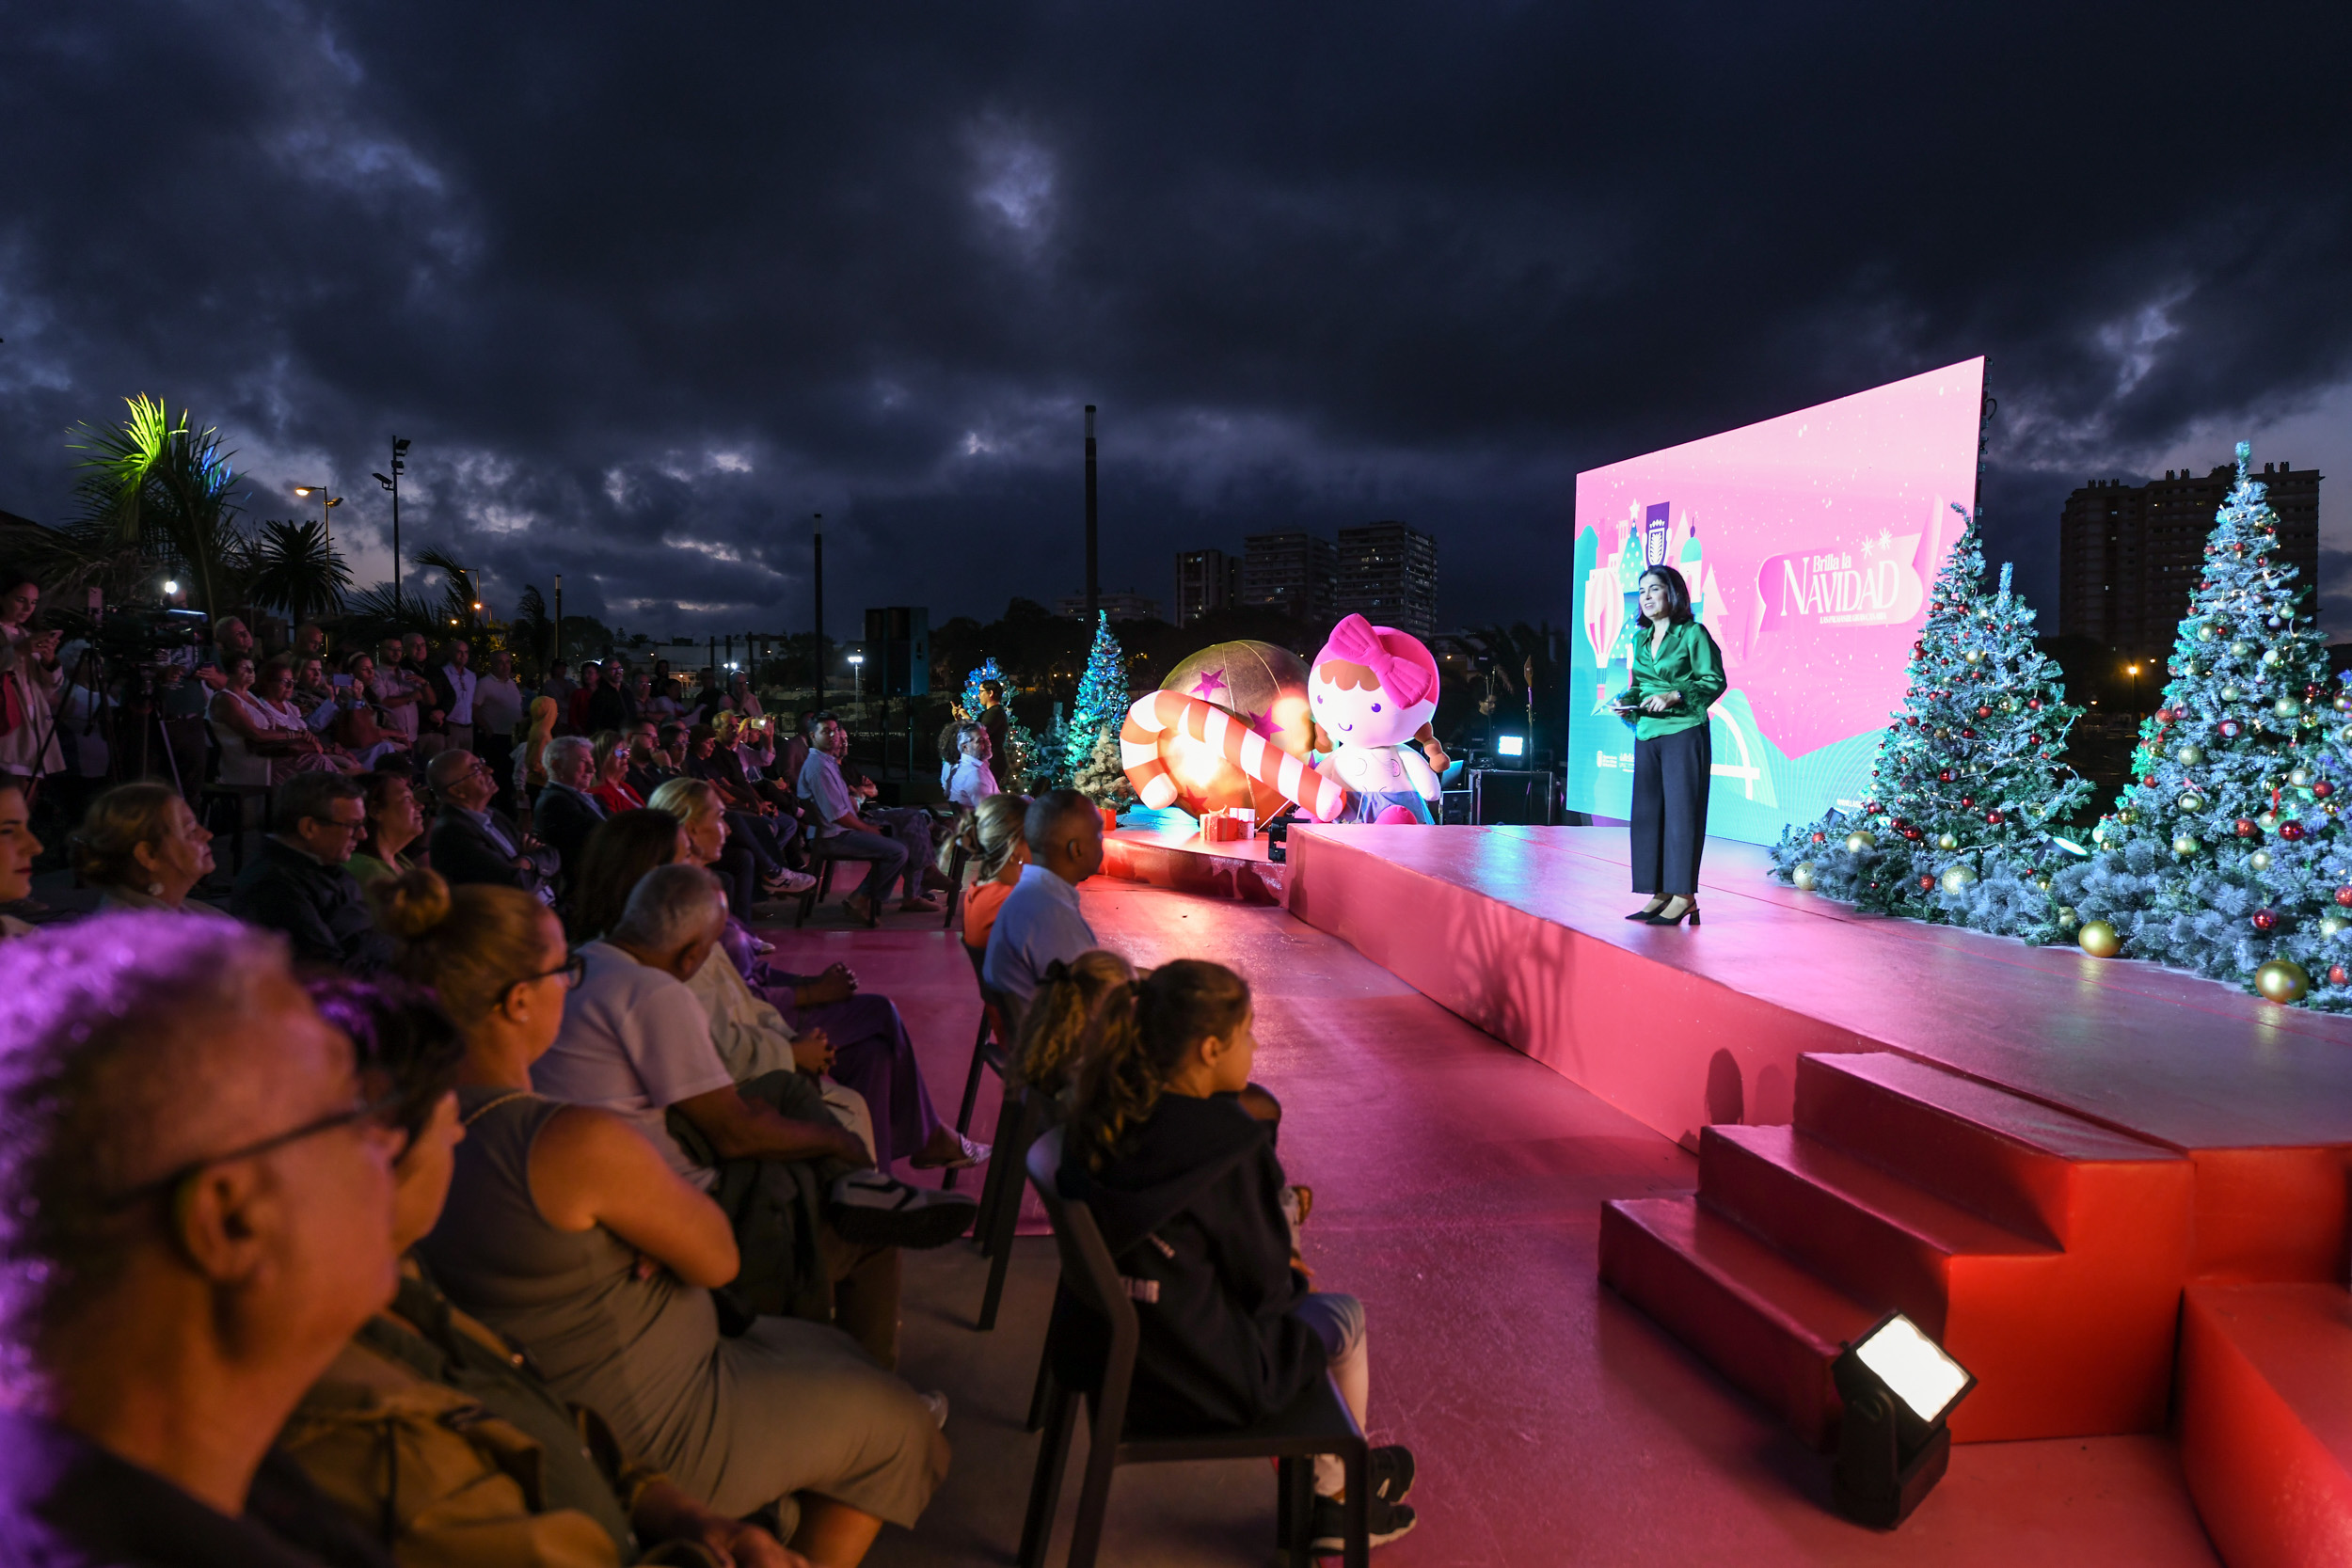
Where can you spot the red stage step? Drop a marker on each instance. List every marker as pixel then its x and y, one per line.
pixel 2047 1254
pixel 2266 1421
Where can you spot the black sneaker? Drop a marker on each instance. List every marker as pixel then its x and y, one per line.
pixel 1392 1470
pixel 871 1209
pixel 1385 1520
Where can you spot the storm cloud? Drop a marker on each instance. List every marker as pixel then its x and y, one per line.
pixel 649 286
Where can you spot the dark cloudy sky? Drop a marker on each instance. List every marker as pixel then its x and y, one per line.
pixel 647 285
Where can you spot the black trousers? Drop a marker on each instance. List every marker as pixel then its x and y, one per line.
pixel 1671 775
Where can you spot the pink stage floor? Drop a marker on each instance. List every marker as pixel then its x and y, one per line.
pixel 1459 1186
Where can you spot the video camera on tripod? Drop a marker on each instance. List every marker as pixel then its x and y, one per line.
pixel 146 633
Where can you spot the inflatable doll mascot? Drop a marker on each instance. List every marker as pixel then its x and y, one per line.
pixel 1372 690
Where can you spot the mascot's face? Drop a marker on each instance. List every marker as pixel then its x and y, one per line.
pixel 1354 710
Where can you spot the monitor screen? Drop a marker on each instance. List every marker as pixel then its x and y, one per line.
pixel 1511 745
pixel 1808 543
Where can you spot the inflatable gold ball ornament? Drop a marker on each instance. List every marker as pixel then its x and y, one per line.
pixel 1857 841
pixel 2098 939
pixel 1957 877
pixel 1804 877
pixel 2282 980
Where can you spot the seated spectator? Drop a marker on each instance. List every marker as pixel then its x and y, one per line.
pixel 972 781
pixel 361 727
pixel 615 858
pixel 531 766
pixel 1066 1021
pixel 263 741
pixel 196 1205
pixel 470 843
pixel 609 705
pixel 314 694
pixel 950 748
pixel 565 814
pixel 142 849
pixel 538 1482
pixel 742 870
pixel 650 766
pixel 18 850
pixel 817 1227
pixel 1186 1186
pixel 569 1232
pixel 657 702
pixel 995 852
pixel 298 882
pixel 395 822
pixel 608 772
pixel 841 833
pixel 1039 921
pixel 591 682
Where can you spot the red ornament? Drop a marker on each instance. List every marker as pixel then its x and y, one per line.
pixel 2230 729
pixel 1926 882
pixel 1983 712
pixel 2265 919
pixel 1993 819
pixel 1968 735
pixel 1946 776
pixel 2245 826
pixel 2336 976
pixel 2034 703
pixel 1824 838
pixel 2290 831
pixel 2322 789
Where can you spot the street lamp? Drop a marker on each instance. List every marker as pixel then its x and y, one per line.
pixel 2133 671
pixel 857 673
pixel 391 482
pixel 326 510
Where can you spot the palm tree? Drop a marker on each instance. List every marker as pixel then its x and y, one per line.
pixel 531 633
pixel 156 486
pixel 458 607
pixel 295 570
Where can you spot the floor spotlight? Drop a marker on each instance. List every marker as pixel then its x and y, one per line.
pixel 1899 1388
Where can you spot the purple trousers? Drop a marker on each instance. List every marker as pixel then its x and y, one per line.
pixel 873 1055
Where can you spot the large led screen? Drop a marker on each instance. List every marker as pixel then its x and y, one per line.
pixel 1809 542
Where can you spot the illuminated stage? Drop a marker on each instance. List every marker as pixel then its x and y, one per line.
pixel 2032 1152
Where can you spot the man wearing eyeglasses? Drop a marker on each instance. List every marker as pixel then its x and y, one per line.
pixel 196 1216
pixel 472 843
pixel 298 883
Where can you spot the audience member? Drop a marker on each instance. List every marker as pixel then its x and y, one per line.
pixel 18 850
pixel 1184 1184
pixel 455 683
pixel 1065 1024
pixel 608 771
pixel 28 670
pixel 274 692
pixel 995 719
pixel 395 821
pixel 297 882
pixel 498 713
pixel 403 702
pixel 472 843
pixel 309 642
pixel 565 814
pixel 742 870
pixel 609 705
pixel 256 749
pixel 972 781
pixel 567 1231
pixel 361 727
pixel 416 663
pixel 196 1213
pixel 558 688
pixel 650 762
pixel 142 849
pixel 841 833
pixel 1039 921
pixel 540 1481
pixel 995 852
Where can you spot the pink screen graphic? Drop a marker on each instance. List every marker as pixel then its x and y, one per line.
pixel 1809 542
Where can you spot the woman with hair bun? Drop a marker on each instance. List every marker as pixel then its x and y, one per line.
pixel 142 847
pixel 552 1210
pixel 1184 1184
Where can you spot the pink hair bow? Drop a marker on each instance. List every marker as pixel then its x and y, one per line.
pixel 1353 641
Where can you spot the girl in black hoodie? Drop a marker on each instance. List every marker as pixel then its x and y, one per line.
pixel 1185 1188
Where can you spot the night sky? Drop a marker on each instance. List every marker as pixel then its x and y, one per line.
pixel 649 285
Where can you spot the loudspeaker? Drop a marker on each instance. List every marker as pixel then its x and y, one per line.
pixel 899 642
pixel 1504 795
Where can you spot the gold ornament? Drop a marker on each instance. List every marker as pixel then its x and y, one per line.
pixel 2066 917
pixel 2271 656
pixel 2192 803
pixel 2188 756
pixel 1974 656
pixel 1803 876
pixel 1946 841
pixel 2286 707
pixel 2041 884
pixel 1957 877
pixel 2282 980
pixel 2267 822
pixel 2331 925
pixel 2185 845
pixel 2206 634
pixel 2299 777
pixel 2098 939
pixel 2259 860
pixel 2239 650
pixel 1857 841
pixel 2127 817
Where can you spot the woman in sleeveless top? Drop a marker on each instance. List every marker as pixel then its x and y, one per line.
pixel 569 1233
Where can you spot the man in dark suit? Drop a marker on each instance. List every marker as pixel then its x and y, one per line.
pixel 297 884
pixel 474 844
pixel 565 814
pixel 995 719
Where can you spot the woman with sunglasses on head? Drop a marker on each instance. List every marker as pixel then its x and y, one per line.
pixel 568 1232
pixel 608 772
pixel 1677 673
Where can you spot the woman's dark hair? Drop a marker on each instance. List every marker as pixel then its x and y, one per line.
pixel 1066 1020
pixel 1142 1040
pixel 622 848
pixel 377 790
pixel 398 1031
pixel 118 822
pixel 1678 595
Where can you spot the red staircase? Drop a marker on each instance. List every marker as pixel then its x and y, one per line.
pixel 2047 1254
pixel 2266 1421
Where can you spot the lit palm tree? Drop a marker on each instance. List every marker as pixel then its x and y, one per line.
pixel 295 570
pixel 155 485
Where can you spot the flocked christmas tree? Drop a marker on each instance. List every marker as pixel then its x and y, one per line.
pixel 1103 780
pixel 1101 704
pixel 2224 856
pixel 973 700
pixel 1967 785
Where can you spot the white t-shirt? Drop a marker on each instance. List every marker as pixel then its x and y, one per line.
pixel 634 1042
pixel 971 783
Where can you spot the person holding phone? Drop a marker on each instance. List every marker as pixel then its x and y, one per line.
pixel 28 684
pixel 1677 673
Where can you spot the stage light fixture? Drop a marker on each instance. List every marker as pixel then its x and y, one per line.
pixel 171 587
pixel 1511 745
pixel 1893 1444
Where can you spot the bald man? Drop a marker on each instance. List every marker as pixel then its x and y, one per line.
pixel 196 1214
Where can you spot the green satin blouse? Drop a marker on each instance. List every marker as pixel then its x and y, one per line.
pixel 1688 661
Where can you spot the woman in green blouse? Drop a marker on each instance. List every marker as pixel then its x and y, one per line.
pixel 1678 672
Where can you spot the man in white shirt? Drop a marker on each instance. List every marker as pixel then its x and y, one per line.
pixel 498 710
pixel 840 832
pixel 1038 921
pixel 453 686
pixel 973 781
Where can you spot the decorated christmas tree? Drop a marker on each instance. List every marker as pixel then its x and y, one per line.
pixel 1967 787
pixel 973 698
pixel 1103 780
pixel 1102 702
pixel 2224 856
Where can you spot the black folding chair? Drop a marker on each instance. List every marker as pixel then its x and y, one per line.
pixel 1317 1422
pixel 990 1043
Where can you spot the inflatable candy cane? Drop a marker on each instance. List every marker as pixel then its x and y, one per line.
pixel 1161 716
